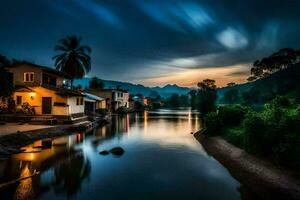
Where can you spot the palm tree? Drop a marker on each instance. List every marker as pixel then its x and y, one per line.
pixel 74 59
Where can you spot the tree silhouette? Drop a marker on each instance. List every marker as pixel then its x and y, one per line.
pixel 96 83
pixel 206 96
pixel 73 58
pixel 231 84
pixel 279 60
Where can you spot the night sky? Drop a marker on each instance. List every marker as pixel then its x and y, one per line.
pixel 154 42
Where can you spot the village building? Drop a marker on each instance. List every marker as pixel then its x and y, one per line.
pixel 93 103
pixel 114 98
pixel 44 90
pixel 141 99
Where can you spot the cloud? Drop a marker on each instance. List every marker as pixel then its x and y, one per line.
pixel 180 16
pixel 101 12
pixel 232 39
pixel 268 38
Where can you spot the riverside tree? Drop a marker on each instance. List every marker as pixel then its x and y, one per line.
pixel 205 96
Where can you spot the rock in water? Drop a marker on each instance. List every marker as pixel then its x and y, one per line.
pixel 118 151
pixel 104 152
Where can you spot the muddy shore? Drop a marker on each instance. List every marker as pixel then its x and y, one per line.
pixel 263 178
pixel 12 143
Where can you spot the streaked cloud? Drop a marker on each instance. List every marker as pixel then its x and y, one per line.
pixel 101 12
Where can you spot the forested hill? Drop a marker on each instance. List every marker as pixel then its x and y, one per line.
pixel 283 82
pixel 165 91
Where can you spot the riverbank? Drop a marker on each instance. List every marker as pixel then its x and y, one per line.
pixel 262 177
pixel 11 143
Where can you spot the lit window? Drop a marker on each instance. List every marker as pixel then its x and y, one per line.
pixel 28 76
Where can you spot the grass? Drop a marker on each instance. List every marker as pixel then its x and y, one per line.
pixel 234 135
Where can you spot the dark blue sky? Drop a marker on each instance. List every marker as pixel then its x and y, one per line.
pixel 154 42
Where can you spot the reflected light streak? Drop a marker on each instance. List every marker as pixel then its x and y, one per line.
pixel 145 121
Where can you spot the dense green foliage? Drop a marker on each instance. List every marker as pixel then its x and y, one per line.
pixel 273 132
pixel 177 100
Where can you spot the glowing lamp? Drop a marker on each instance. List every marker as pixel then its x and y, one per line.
pixel 32 95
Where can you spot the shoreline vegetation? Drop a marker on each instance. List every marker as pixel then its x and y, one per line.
pixel 262 177
pixel 272 133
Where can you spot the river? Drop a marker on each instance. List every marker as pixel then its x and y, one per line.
pixel 162 160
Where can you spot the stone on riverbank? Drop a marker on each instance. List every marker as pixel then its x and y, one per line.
pixel 104 153
pixel 118 151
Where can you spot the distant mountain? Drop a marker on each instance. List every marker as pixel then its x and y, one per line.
pixel 165 91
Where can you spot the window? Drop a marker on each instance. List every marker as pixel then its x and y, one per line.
pixel 28 76
pixel 19 100
pixel 120 94
pixel 79 101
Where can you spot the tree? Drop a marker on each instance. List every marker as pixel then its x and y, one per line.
pixel 207 84
pixel 277 61
pixel 174 100
pixel 73 58
pixel 206 96
pixel 231 84
pixel 6 85
pixel 193 99
pixel 184 100
pixel 96 83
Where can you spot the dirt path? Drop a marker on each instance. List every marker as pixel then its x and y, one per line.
pixel 10 128
pixel 263 178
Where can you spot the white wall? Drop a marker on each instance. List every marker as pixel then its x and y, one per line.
pixel 73 108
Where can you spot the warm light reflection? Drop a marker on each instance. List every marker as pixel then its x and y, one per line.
pixel 127 123
pixel 25 188
pixel 145 121
pixel 79 138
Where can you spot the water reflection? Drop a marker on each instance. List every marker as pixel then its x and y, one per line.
pixel 162 161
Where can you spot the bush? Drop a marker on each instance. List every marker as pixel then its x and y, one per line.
pixel 281 101
pixel 235 136
pixel 255 128
pixel 232 115
pixel 274 133
pixel 213 123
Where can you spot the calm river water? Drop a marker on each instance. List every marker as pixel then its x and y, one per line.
pixel 162 160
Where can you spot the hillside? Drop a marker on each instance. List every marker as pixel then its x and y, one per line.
pixel 165 91
pixel 283 82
